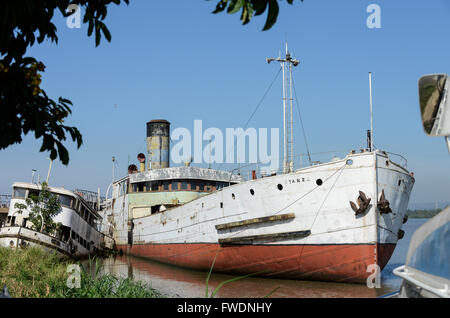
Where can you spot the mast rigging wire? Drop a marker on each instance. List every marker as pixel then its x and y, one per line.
pixel 254 112
pixel 301 123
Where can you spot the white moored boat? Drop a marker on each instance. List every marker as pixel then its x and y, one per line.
pixel 78 234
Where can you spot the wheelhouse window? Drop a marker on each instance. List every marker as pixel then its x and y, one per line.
pixel 19 192
pixel 65 200
pixel 178 185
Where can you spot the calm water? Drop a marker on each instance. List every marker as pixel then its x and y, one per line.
pixel 178 282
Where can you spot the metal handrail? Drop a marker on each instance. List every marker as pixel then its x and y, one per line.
pixel 402 272
pixel 404 162
pixel 5 200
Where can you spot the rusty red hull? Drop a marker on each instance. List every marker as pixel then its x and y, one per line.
pixel 340 263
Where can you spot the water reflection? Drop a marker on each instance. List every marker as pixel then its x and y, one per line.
pixel 180 282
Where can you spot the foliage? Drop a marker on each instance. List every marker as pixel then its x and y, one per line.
pixel 421 214
pixel 250 8
pixel 96 285
pixel 25 105
pixel 42 208
pixel 33 273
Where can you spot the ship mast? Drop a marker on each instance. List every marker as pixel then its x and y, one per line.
pixel 288 124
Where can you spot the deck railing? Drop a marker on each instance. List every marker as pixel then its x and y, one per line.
pixel 5 200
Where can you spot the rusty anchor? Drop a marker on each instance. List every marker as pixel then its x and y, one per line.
pixel 383 204
pixel 363 204
pixel 405 218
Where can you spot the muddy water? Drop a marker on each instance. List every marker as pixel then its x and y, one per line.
pixel 179 282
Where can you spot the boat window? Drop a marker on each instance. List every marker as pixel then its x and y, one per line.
pixel 141 187
pixel 184 185
pixel 201 186
pixel 65 200
pixel 77 206
pixel 175 185
pixel 19 192
pixel 32 193
pixel 155 186
pixel 84 212
pixel 166 185
pixel 134 187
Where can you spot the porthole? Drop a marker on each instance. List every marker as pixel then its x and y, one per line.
pixel 399 182
pixel 233 196
pixel 280 186
pixel 252 192
pixel 221 205
pixel 349 162
pixel 319 182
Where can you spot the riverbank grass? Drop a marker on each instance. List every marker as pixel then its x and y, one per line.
pixel 33 273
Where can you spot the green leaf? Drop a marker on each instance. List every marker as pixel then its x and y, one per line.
pixel 247 13
pixel 235 6
pixel 271 15
pixel 259 6
pixel 106 32
pixel 220 6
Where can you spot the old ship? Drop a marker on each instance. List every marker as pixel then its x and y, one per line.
pixel 334 221
pixel 79 233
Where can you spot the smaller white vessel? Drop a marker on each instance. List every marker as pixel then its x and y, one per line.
pixel 426 273
pixel 78 234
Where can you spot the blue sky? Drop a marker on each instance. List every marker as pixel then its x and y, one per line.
pixel 175 60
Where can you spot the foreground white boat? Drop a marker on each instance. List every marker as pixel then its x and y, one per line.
pixel 426 273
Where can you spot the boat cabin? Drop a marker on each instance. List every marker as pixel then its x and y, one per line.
pixel 153 191
pixel 77 217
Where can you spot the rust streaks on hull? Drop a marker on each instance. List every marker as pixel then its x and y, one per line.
pixel 339 263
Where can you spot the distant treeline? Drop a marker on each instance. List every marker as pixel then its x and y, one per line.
pixel 419 214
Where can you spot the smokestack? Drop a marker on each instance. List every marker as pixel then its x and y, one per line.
pixel 158 143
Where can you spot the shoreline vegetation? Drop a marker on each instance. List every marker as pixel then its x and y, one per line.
pixel 422 214
pixel 34 273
